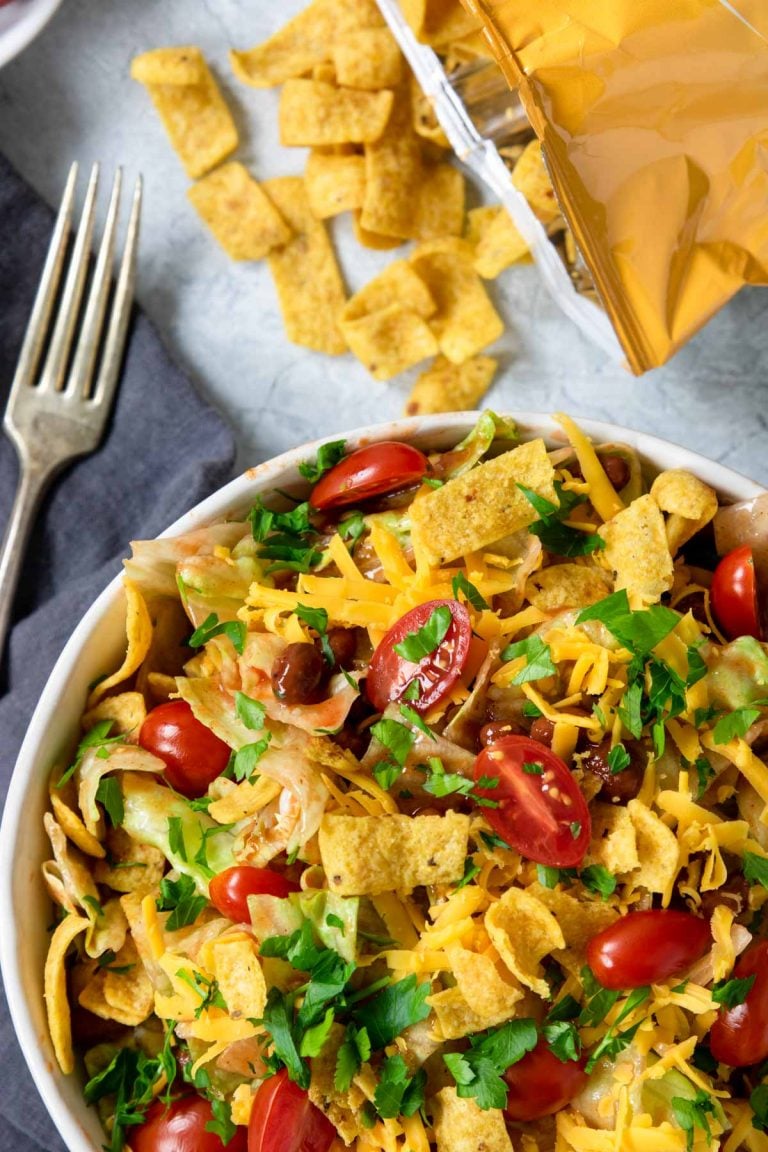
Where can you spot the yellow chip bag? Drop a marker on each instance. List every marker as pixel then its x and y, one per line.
pixel 447 387
pixel 389 341
pixel 334 184
pixel 188 101
pixel 466 321
pixel 305 272
pixel 314 113
pixel 437 22
pixel 367 58
pixel 239 213
pixel 304 42
pixel 496 241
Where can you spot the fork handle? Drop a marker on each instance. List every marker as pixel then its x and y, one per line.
pixel 33 482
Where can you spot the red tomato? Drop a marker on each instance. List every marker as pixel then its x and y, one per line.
pixel 284 1119
pixel 230 889
pixel 648 948
pixel 540 1084
pixel 180 1127
pixel 375 470
pixel 389 674
pixel 543 815
pixel 739 1036
pixel 193 755
pixel 734 595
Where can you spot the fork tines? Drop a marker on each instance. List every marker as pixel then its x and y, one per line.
pixel 63 368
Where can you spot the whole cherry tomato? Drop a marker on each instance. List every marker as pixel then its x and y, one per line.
pixel 284 1119
pixel 390 673
pixel 230 889
pixel 734 595
pixel 541 812
pixel 193 755
pixel 180 1127
pixel 540 1084
pixel 739 1036
pixel 648 948
pixel 375 470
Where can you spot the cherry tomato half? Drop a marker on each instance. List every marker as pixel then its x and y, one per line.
pixel 739 1036
pixel 541 811
pixel 647 948
pixel 230 889
pixel 389 674
pixel 540 1084
pixel 284 1119
pixel 734 595
pixel 180 1127
pixel 193 755
pixel 375 470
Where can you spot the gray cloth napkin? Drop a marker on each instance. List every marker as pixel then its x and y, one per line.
pixel 164 450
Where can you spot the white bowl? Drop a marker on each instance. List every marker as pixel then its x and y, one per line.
pixel 20 22
pixel 98 643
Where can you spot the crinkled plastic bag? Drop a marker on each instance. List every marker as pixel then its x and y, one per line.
pixel 654 120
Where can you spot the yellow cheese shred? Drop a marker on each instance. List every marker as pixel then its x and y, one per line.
pixel 605 500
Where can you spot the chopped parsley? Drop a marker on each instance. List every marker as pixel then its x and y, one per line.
pixel 478 1072
pixel 755 869
pixel 555 535
pixel 460 584
pixel 95 737
pixel 287 538
pixel 252 713
pixel 398 1093
pixel 353 1051
pixel 735 725
pixel 182 900
pixel 416 646
pixel 730 993
pixel 470 871
pixel 130 1077
pixel 412 716
pixel 392 1010
pixel 398 740
pixel 618 759
pixel 328 456
pixel 538 659
pixel 598 879
pixel 317 618
pixel 563 1039
pixel 758 1102
pixel 110 795
pixel 211 627
pixel 692 1114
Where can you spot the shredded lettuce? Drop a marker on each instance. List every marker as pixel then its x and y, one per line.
pixel 474 446
pixel 738 673
pixel 333 918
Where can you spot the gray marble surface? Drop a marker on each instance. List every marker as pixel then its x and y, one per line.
pixel 69 97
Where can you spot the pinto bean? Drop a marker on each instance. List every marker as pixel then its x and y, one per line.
pixel 297 674
pixel 343 642
pixel 619 787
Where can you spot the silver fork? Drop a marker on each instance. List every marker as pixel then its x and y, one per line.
pixel 61 413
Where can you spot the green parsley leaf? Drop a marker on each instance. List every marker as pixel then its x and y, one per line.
pixel 334 921
pixel 460 584
pixel 412 692
pixel 234 630
pixel 758 1102
pixel 328 456
pixel 691 1114
pixel 478 1072
pixel 247 758
pixel 352 527
pixel 222 1124
pixel 94 905
pixel 697 669
pixel 315 1037
pixel 612 1045
pixel 425 640
pixel 629 709
pixel 412 716
pixel 600 1000
pixel 251 712
pixel 96 736
pixel 705 774
pixel 110 795
pixel 130 1077
pixel 279 1024
pixel 182 900
pixel 755 869
pixel 393 1010
pixel 563 1039
pixel 639 631
pixel 556 536
pixel 398 739
pixel 735 724
pixel 730 993
pixel 618 759
pixel 470 871
pixel 491 841
pixel 533 769
pixel 317 618
pixel 575 829
pixel 531 710
pixel 566 1009
pixel 397 1093
pixel 353 1051
pixel 176 837
pixel 538 659
pixel 598 879
pixel 285 537
pixel 550 877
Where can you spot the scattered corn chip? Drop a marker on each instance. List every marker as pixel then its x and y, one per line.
pixel 366 855
pixel 242 218
pixel 127 711
pixel 334 184
pixel 374 240
pixel 439 207
pixel 636 549
pixel 482 506
pixel 313 113
pixel 306 275
pixel 566 586
pixel 614 841
pixel 55 982
pixel 130 866
pixel 496 241
pixel 465 321
pixel 397 284
pixel 579 920
pixel 524 931
pixel 368 58
pixel 438 22
pixel 138 628
pixel 657 849
pixel 393 170
pixel 447 387
pixel 530 177
pixel 460 1126
pixel 689 502
pixel 240 978
pixel 189 103
pixel 389 341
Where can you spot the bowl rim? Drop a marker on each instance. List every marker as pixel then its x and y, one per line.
pixel 32 18
pixel 48 1079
